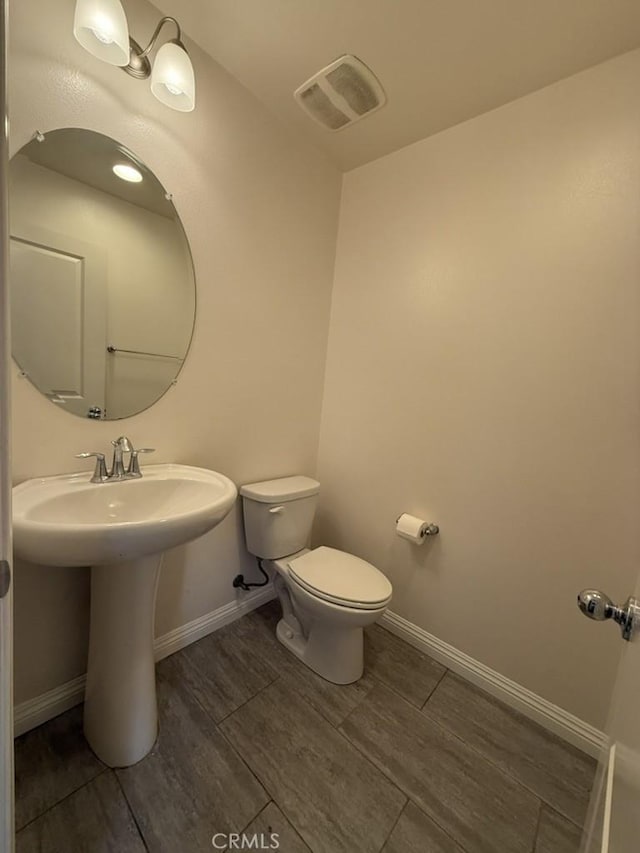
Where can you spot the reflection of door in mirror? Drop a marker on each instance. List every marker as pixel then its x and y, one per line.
pixel 61 347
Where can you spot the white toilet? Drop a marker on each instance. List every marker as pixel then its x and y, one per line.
pixel 327 596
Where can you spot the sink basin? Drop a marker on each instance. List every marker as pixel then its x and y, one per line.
pixel 68 521
pixel 120 529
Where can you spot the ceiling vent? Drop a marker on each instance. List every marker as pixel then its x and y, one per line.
pixel 341 94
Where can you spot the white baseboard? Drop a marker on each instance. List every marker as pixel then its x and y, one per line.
pixel 27 715
pixel 183 636
pixel 34 712
pixel 551 717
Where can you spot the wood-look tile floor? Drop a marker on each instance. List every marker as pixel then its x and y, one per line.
pixel 411 759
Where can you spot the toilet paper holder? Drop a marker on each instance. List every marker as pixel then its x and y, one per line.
pixel 430 530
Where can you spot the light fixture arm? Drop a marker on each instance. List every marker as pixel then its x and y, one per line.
pixel 139 65
pixel 101 27
pixel 156 33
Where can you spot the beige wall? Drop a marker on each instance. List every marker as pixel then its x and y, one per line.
pixel 482 368
pixel 483 372
pixel 260 210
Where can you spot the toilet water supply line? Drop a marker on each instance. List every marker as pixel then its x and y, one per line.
pixel 409 527
pixel 239 580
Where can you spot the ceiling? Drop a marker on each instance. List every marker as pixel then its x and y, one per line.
pixel 440 61
pixel 89 157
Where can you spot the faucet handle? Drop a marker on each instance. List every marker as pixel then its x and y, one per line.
pixel 123 443
pixel 100 474
pixel 134 465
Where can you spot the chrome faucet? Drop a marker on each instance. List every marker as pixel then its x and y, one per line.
pixel 100 474
pixel 118 472
pixel 120 445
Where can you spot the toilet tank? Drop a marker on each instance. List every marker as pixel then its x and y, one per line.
pixel 278 515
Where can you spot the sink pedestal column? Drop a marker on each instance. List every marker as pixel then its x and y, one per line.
pixel 120 709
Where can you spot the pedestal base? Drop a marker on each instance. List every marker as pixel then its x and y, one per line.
pixel 120 709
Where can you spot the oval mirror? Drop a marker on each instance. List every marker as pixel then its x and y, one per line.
pixel 102 282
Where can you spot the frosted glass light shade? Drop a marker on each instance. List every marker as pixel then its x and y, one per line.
pixel 172 78
pixel 100 26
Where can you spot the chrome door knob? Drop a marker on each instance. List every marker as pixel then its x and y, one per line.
pixel 596 605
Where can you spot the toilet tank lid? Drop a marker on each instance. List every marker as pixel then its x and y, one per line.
pixel 281 490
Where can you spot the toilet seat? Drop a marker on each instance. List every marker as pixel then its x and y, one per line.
pixel 341 578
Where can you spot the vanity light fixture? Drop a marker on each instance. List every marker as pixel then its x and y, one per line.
pixel 127 173
pixel 100 26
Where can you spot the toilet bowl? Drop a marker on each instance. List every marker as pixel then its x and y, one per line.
pixel 327 596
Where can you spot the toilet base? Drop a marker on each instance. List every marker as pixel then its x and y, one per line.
pixel 327 637
pixel 335 654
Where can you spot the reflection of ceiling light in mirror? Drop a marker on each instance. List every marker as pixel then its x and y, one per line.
pixel 127 173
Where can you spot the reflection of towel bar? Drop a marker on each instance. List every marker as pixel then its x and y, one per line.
pixel 112 349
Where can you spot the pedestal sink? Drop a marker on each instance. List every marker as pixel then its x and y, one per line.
pixel 120 529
